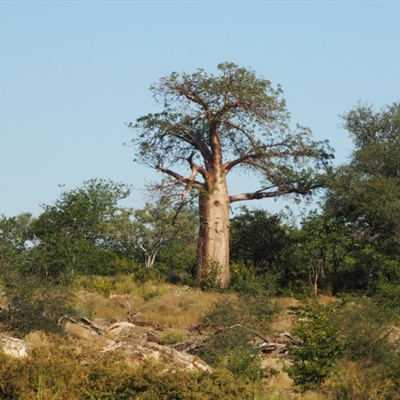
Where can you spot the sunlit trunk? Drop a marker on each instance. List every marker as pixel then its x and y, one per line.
pixel 213 242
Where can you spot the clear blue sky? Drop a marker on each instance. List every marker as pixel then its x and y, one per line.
pixel 73 72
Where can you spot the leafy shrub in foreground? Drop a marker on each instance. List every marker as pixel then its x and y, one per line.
pixel 314 359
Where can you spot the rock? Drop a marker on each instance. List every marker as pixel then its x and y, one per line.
pixel 134 352
pixel 79 330
pixel 135 343
pixel 127 330
pixel 154 337
pixel 14 347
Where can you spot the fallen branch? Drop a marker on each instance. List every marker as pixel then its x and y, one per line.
pixel 85 321
pixel 130 316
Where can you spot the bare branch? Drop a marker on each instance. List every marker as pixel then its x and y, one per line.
pixel 281 190
pixel 179 178
pixel 190 180
pixel 244 159
pixel 192 97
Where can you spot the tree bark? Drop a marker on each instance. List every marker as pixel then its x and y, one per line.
pixel 213 242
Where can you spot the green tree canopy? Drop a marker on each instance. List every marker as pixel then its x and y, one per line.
pixel 77 233
pixel 365 193
pixel 258 239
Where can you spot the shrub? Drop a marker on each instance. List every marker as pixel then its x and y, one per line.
pixel 251 312
pixel 232 349
pixel 246 281
pixel 172 337
pixel 321 345
pixel 367 327
pixel 388 296
pixel 361 381
pixel 102 285
pixel 35 304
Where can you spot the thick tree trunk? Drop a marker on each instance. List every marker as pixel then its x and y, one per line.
pixel 213 242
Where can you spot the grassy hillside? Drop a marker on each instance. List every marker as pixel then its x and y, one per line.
pixel 324 349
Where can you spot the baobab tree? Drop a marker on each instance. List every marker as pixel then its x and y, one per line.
pixel 211 125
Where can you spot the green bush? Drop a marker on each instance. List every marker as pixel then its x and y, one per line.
pixel 388 296
pixel 172 337
pixel 102 285
pixel 34 304
pixel 252 312
pixel 232 349
pixel 246 281
pixel 321 346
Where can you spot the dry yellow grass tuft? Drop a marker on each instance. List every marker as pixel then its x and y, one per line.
pixel 38 339
pixel 94 305
pixel 280 386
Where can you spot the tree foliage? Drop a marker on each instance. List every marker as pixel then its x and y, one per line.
pixel 252 126
pixel 258 239
pixel 13 237
pixel 77 233
pixel 321 346
pixel 365 194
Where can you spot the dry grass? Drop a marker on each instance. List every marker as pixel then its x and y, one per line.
pixel 178 308
pixel 182 308
pixel 356 381
pixel 38 339
pixel 284 320
pixel 94 305
pixel 157 303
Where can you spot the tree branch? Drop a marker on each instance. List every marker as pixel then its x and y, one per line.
pixel 281 190
pixel 200 145
pixel 247 158
pixel 192 97
pixel 195 170
pixel 240 129
pixel 179 178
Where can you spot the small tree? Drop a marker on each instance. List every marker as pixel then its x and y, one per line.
pixel 321 346
pixel 323 249
pixel 155 229
pixel 213 125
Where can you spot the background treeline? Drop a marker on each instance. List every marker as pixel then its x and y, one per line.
pixel 351 244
